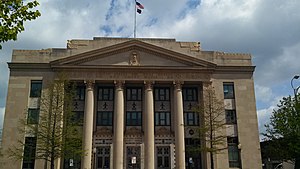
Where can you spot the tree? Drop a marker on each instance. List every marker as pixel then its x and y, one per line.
pixel 212 113
pixel 283 131
pixel 57 133
pixel 13 13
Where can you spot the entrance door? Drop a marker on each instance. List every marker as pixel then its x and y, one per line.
pixel 163 157
pixel 192 157
pixel 133 157
pixel 103 157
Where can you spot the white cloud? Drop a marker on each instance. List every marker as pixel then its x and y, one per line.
pixel 263 93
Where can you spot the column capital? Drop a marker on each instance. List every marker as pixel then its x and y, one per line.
pixel 89 84
pixel 178 84
pixel 148 85
pixel 119 84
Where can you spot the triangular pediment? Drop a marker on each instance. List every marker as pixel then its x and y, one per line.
pixel 132 53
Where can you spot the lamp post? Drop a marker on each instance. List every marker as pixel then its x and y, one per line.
pixel 295 88
pixel 297 162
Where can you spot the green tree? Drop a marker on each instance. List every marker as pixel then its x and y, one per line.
pixel 283 131
pixel 13 14
pixel 57 133
pixel 212 114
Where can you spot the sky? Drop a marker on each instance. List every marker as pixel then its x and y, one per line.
pixel 268 29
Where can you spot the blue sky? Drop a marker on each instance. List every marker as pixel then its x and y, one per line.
pixel 268 29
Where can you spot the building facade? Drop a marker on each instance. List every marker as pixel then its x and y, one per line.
pixel 136 97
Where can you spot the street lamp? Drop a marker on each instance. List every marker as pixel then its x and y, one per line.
pixel 297 88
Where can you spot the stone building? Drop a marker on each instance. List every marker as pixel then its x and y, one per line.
pixel 135 96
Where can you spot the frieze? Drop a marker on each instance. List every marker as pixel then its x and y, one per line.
pixel 137 75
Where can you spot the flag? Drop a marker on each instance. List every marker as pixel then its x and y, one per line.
pixel 138 10
pixel 139 5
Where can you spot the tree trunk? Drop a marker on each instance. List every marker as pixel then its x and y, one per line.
pixel 297 163
pixel 211 161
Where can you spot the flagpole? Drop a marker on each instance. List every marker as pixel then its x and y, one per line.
pixel 134 33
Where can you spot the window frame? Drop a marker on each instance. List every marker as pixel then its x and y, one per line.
pixel 230 116
pixel 36 91
pixel 108 121
pixel 33 119
pixel 234 152
pixel 131 121
pixel 158 96
pixel 130 94
pixel 158 120
pixel 80 93
pixel 102 96
pixel 229 87
pixel 186 94
pixel 30 150
pixel 195 119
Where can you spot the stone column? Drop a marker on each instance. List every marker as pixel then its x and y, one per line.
pixel 179 127
pixel 118 140
pixel 88 125
pixel 149 126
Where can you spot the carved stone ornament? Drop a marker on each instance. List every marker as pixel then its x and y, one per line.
pixel 89 84
pixel 148 85
pixel 134 59
pixel 119 84
pixel 178 85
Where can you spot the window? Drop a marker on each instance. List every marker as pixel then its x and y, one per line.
pixel 106 94
pixel 162 118
pixel 230 116
pixel 162 94
pixel 134 94
pixel 228 90
pixel 133 118
pixel 36 88
pixel 80 93
pixel 163 157
pixel 190 94
pixel 191 118
pixel 103 157
pixel 104 118
pixel 29 153
pixel 233 152
pixel 33 116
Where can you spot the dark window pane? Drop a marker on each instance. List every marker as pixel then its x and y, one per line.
pixel 29 153
pixel 228 90
pixel 36 88
pixel 33 116
pixel 230 116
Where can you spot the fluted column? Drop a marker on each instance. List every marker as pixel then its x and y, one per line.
pixel 88 125
pixel 149 126
pixel 118 140
pixel 179 127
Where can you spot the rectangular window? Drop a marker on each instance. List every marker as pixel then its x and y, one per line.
pixel 190 94
pixel 191 118
pixel 228 90
pixel 106 94
pixel 29 153
pixel 133 118
pixel 162 94
pixel 233 152
pixel 36 88
pixel 80 93
pixel 162 118
pixel 230 116
pixel 134 94
pixel 33 116
pixel 103 157
pixel 163 157
pixel 104 118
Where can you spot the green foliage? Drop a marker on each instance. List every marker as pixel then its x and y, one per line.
pixel 58 136
pixel 283 131
pixel 13 14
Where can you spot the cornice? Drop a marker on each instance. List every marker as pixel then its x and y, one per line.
pixel 128 46
pixel 234 69
pixel 29 66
